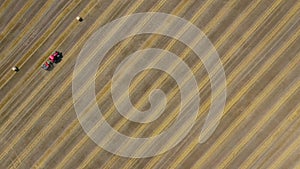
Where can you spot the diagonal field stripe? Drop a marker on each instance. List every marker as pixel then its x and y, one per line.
pixel 279 146
pixel 4 6
pixel 284 125
pixel 286 153
pixel 239 95
pixel 15 19
pixel 233 154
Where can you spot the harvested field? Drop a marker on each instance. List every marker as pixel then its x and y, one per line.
pixel 258 45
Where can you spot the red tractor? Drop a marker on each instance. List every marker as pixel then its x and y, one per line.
pixel 53 58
